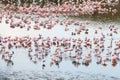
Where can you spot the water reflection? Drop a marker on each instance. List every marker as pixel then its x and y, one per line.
pixel 7 58
pixel 80 51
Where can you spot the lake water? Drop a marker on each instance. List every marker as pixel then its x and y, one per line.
pixel 24 69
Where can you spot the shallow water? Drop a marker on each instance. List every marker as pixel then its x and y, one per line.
pixel 23 68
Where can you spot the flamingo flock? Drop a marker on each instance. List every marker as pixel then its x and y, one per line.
pixel 68 7
pixel 80 51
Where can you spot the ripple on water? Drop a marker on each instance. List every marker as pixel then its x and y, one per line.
pixel 53 75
